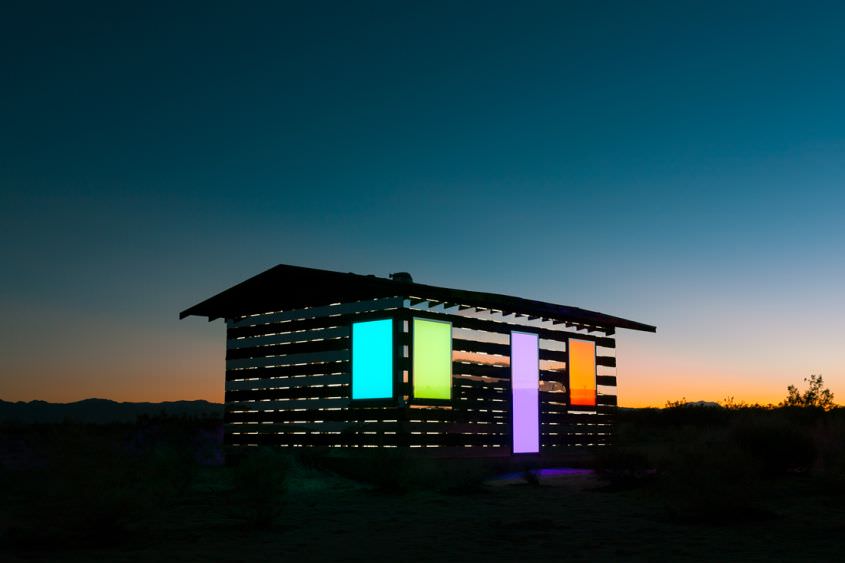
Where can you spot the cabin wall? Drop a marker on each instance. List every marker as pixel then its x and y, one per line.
pixel 288 382
pixel 481 415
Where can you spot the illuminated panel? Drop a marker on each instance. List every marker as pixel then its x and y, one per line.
pixel 525 382
pixel 432 363
pixel 372 359
pixel 582 373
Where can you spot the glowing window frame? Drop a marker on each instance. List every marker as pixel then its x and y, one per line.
pixel 525 393
pixel 569 372
pixel 392 362
pixel 414 359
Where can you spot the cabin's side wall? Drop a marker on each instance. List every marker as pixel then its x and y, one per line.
pixel 288 379
pixel 479 420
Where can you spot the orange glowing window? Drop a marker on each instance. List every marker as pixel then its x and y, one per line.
pixel 582 373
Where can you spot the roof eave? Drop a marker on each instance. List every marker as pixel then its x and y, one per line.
pixel 218 306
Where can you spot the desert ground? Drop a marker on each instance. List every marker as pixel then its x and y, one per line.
pixel 688 484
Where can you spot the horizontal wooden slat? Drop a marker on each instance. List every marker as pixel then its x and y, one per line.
pixel 502 385
pixel 457 321
pixel 606 380
pixel 313 439
pixel 379 426
pixel 323 311
pixel 308 415
pixel 507 327
pixel 607 361
pixel 317 368
pixel 287 405
pixel 299 392
pixel 599 409
pixel 609 400
pixel 289 348
pixel 281 383
pixel 498 399
pixel 474 346
pixel 288 360
pixel 502 372
pixel 317 323
pixel 252 341
pixel 415 439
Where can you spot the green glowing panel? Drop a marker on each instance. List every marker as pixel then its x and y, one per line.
pixel 432 365
pixel 372 359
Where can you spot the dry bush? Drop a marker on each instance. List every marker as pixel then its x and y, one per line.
pixel 776 444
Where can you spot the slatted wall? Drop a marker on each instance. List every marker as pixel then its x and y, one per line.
pixel 288 381
pixel 481 379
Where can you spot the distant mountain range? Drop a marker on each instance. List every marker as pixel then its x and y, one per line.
pixel 707 404
pixel 703 404
pixel 101 411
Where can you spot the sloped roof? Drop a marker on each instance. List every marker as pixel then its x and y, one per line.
pixel 290 287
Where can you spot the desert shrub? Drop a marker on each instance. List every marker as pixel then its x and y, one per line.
pixel 709 461
pixel 259 482
pixel 816 395
pixel 776 444
pixel 694 415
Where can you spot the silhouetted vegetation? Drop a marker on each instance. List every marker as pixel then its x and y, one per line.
pixel 815 396
pixel 102 411
pixel 717 465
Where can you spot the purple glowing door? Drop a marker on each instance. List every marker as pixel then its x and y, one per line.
pixel 525 382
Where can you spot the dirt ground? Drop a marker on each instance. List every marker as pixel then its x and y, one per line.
pixel 563 518
pixel 680 485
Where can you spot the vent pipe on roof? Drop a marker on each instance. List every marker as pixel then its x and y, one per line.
pixel 402 277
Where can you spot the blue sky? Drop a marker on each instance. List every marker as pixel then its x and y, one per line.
pixel 678 163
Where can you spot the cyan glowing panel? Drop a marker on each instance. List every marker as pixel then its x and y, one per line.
pixel 525 384
pixel 372 359
pixel 582 373
pixel 432 359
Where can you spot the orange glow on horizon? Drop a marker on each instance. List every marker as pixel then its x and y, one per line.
pixel 111 358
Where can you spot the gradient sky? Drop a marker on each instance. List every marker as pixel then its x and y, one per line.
pixel 679 163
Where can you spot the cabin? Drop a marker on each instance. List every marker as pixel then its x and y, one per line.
pixel 341 360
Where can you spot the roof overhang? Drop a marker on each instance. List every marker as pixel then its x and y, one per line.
pixel 286 287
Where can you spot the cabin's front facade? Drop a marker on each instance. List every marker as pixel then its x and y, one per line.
pixel 320 358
